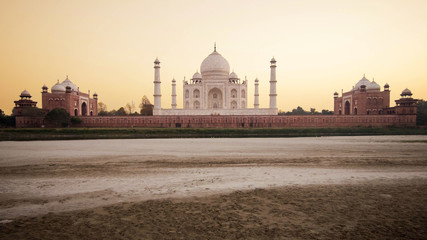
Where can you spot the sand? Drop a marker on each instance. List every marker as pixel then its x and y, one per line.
pixel 329 187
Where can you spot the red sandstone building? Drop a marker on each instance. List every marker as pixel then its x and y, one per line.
pixel 366 98
pixel 66 95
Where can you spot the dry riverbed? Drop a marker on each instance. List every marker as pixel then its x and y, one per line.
pixel 328 187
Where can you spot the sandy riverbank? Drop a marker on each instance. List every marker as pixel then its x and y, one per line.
pixel 330 187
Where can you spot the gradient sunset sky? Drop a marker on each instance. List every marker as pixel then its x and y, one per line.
pixel 109 47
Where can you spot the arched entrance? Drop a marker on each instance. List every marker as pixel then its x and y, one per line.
pixel 84 109
pixel 76 112
pixel 355 111
pixel 215 98
pixel 347 108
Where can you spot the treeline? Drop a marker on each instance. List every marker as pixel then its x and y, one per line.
pixel 422 113
pixel 145 109
pixel 300 111
pixel 7 121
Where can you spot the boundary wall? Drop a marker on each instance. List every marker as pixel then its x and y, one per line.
pixel 278 121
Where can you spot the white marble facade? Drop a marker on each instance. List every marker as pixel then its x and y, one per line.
pixel 213 91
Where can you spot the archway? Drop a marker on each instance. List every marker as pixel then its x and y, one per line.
pixel 84 109
pixel 355 111
pixel 215 98
pixel 196 105
pixel 196 93
pixel 347 108
pixel 76 112
pixel 233 93
pixel 233 104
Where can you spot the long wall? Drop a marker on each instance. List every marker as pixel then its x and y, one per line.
pixel 278 121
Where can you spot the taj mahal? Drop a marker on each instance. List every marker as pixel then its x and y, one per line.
pixel 215 91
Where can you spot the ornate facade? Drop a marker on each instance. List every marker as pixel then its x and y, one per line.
pixel 366 98
pixel 68 96
pixel 214 91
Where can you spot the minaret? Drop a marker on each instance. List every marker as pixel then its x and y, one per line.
pixel 173 94
pixel 157 94
pixel 273 82
pixel 256 95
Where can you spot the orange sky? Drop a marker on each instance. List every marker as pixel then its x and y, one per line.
pixel 109 46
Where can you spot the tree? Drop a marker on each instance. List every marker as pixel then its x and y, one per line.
pixel 327 112
pixel 57 117
pixel 422 113
pixel 102 107
pixel 130 108
pixel 120 112
pixel 146 106
pixel 7 121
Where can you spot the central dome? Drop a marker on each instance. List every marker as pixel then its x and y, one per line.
pixel 215 64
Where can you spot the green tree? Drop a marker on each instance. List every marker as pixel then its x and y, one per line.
pixel 7 121
pixel 422 113
pixel 120 112
pixel 57 117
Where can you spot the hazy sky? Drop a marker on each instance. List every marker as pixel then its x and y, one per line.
pixel 109 47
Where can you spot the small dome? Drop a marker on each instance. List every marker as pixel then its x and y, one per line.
pixel 273 60
pixel 95 94
pixel 335 93
pixel 386 85
pixel 215 64
pixel 256 80
pixel 25 93
pixel 197 75
pixel 406 92
pixel 373 86
pixel 68 83
pixel 173 80
pixel 157 61
pixel 233 75
pixel 361 82
pixel 57 88
pixel 44 86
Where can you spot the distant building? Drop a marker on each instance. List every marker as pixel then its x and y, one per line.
pixel 215 91
pixel 67 95
pixel 406 105
pixel 26 112
pixel 366 98
pixel 24 103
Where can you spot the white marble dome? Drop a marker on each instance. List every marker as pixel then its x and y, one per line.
pixel 57 88
pixel 197 75
pixel 215 64
pixel 25 93
pixel 406 92
pixel 361 82
pixel 233 75
pixel 68 83
pixel 373 86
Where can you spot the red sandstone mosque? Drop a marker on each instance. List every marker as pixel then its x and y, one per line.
pixel 366 98
pixel 67 95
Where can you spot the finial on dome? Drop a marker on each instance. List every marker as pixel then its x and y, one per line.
pixel 214 46
pixel 363 75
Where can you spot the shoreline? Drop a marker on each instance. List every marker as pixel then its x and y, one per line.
pixel 33 134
